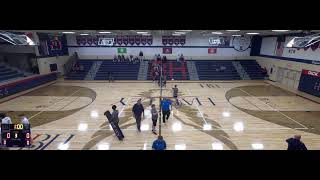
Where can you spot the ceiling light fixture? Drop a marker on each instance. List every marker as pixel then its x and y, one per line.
pixel 252 33
pixel 104 32
pixel 216 33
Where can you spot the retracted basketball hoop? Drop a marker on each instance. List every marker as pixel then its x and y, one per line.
pixel 16 39
pixel 302 42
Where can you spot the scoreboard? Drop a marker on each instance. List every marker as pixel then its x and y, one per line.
pixel 15 135
pixel 310 82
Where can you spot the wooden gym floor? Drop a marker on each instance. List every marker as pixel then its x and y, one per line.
pixel 237 115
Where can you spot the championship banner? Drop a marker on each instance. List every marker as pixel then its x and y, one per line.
pixel 83 40
pixel 310 82
pixel 167 50
pixel 89 40
pixel 119 40
pixel 138 39
pixel 122 50
pixel 150 40
pixel 143 40
pixel 182 40
pixel 95 40
pixel 55 43
pixel 106 41
pixel 170 40
pixel 165 40
pixel 131 40
pixel 176 40
pixel 78 40
pixel 212 50
pixel 125 40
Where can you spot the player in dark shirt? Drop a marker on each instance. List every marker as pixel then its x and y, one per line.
pixel 138 110
pixel 295 143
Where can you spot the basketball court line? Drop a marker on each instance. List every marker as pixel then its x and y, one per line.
pixel 252 103
pixel 54 104
pixel 274 109
pixel 198 109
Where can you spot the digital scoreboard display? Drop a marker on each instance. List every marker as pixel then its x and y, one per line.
pixel 15 135
pixel 310 82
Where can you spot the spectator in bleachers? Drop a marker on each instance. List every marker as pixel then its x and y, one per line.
pixel 115 58
pixel 264 71
pixel 222 68
pixel 131 58
pixel 119 58
pixel 158 57
pixel 182 58
pixel 141 56
pixel 178 58
pixel 122 58
pixel 127 59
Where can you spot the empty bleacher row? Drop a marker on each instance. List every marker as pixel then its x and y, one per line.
pixel 216 70
pixel 120 71
pixel 253 69
pixel 8 73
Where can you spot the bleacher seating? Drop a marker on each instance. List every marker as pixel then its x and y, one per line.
pixel 8 74
pixel 211 70
pixel 80 75
pixel 174 70
pixel 120 70
pixel 253 69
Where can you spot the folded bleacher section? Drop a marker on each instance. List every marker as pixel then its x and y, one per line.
pixel 8 73
pixel 253 69
pixel 80 75
pixel 216 70
pixel 120 70
pixel 173 69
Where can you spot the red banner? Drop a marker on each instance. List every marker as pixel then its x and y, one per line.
pixel 311 73
pixel 167 50
pixel 212 50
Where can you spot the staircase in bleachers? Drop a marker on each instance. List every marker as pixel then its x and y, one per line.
pixel 7 73
pixel 216 70
pixel 173 69
pixel 253 69
pixel 80 75
pixel 119 70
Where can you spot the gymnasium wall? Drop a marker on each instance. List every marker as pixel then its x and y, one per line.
pixel 290 59
pixel 195 48
pixel 44 64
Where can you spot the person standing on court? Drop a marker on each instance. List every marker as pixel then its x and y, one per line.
pixel 138 110
pixel 154 118
pixel 115 115
pixel 165 105
pixel 295 143
pixel 175 93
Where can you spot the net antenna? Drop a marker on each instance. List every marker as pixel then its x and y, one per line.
pixel 302 42
pixel 16 39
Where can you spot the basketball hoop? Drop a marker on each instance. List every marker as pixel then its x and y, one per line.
pixel 16 39
pixel 302 42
